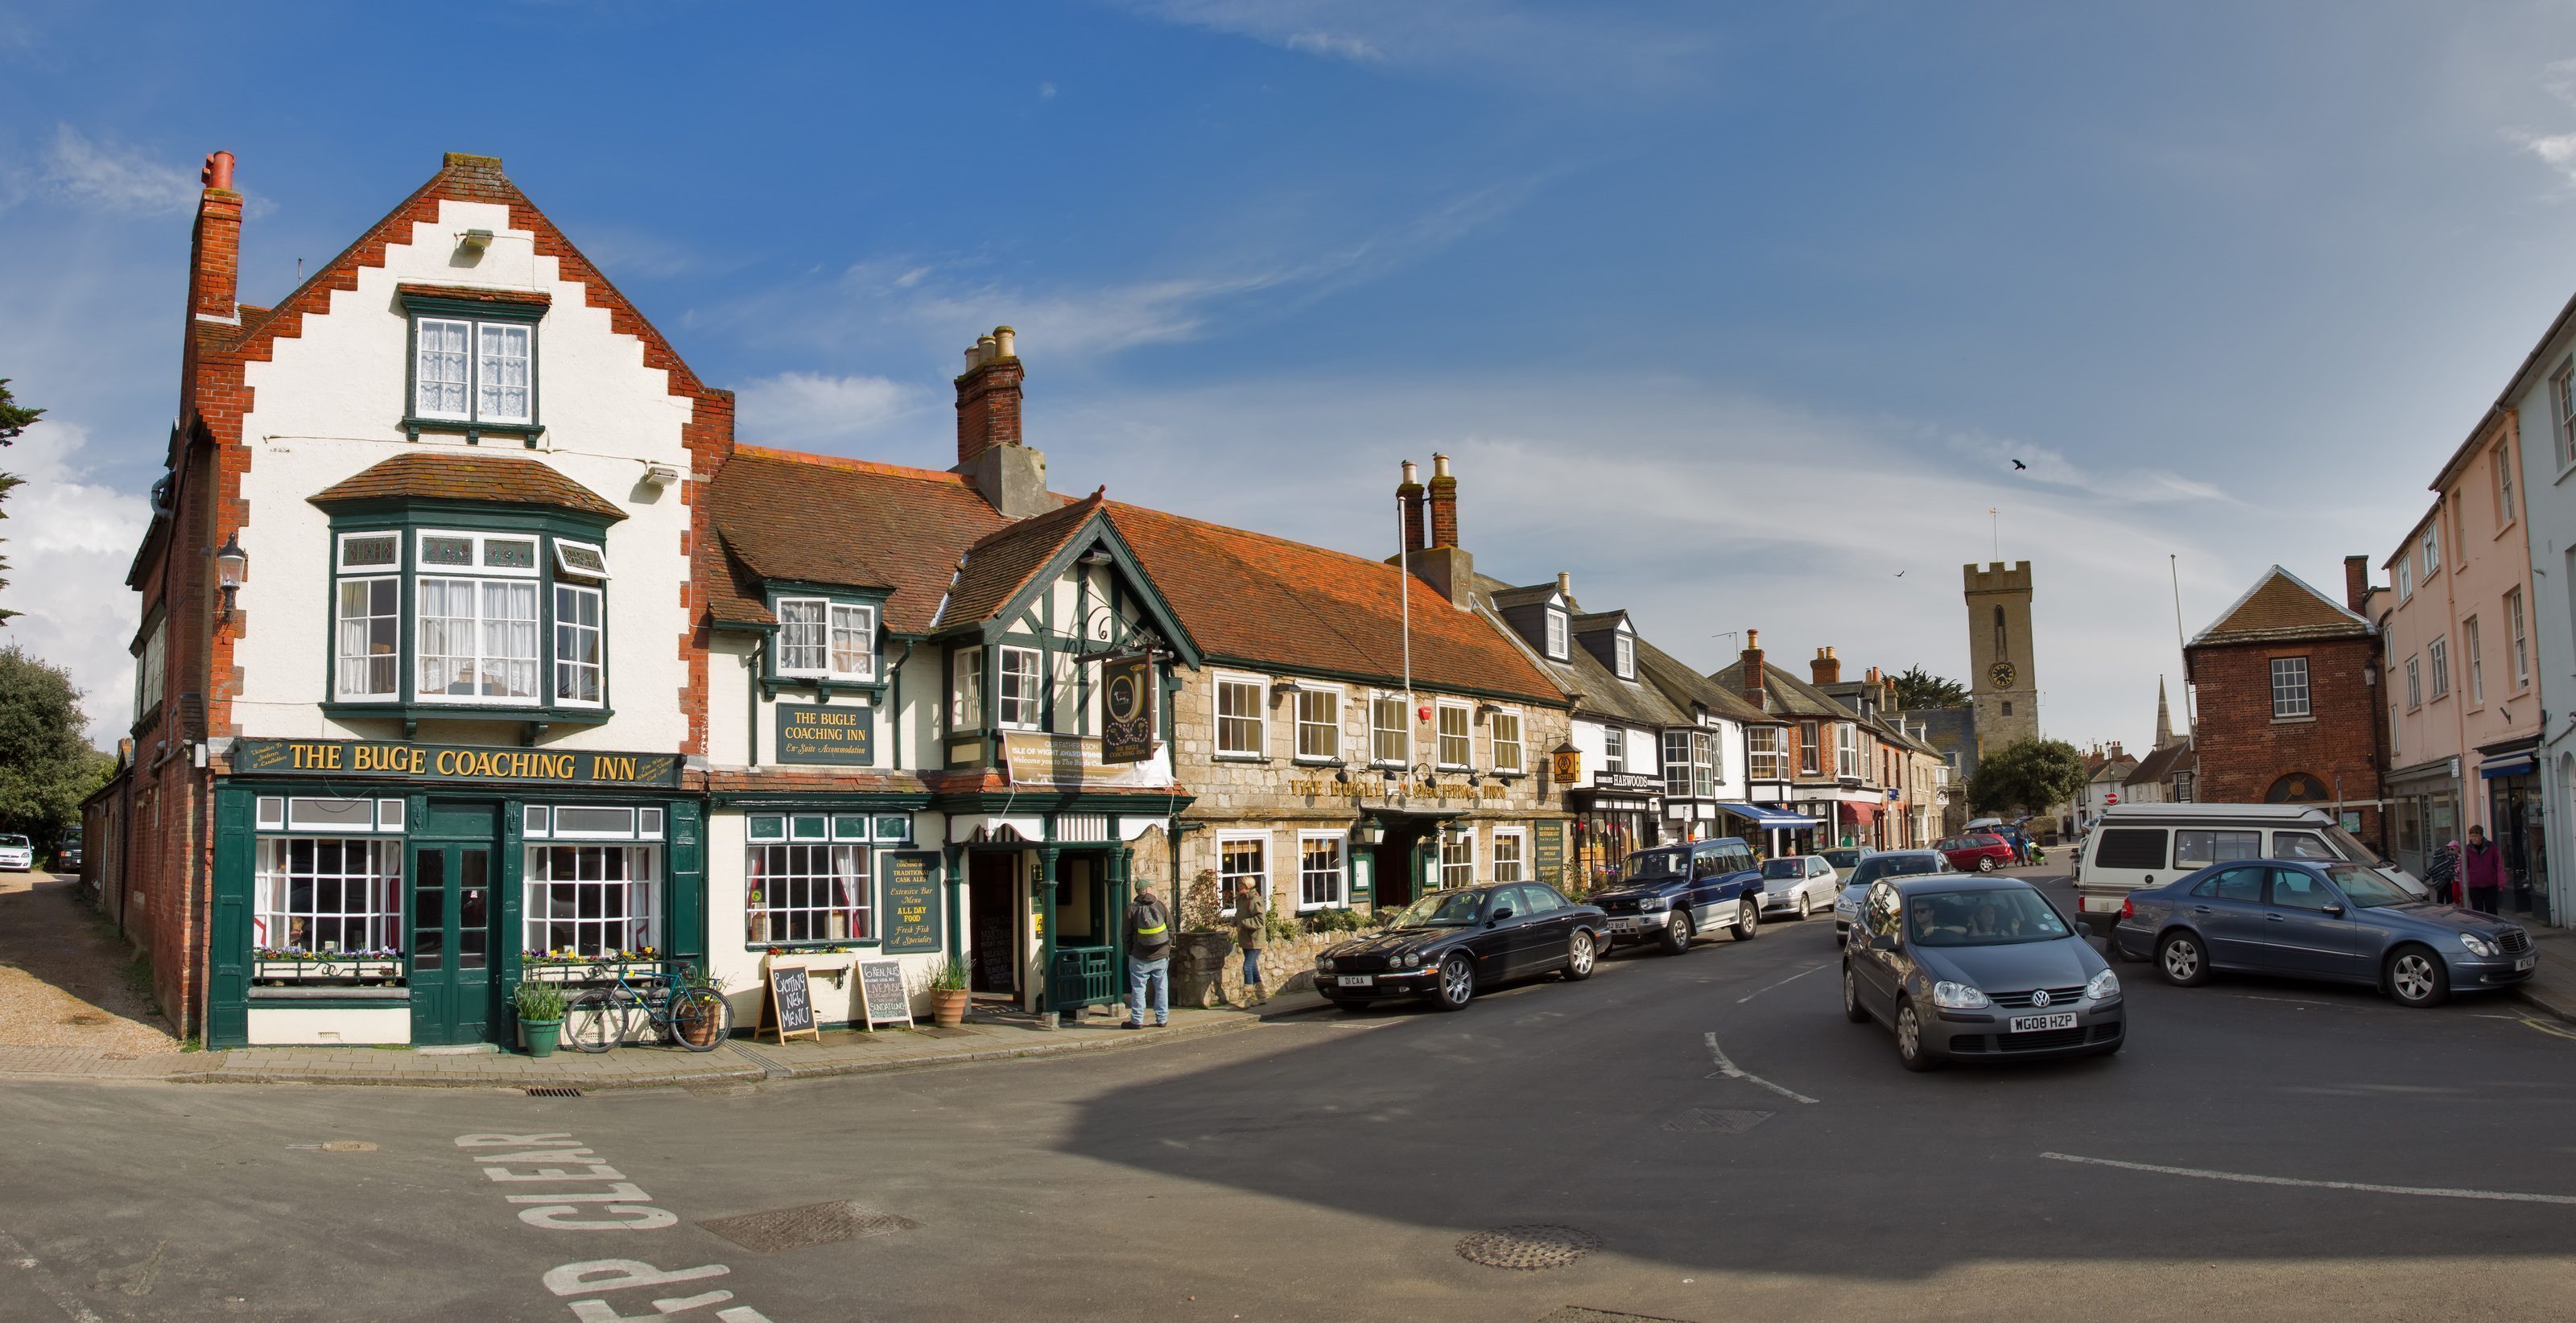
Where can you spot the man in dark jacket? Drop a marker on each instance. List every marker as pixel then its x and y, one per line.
pixel 1149 958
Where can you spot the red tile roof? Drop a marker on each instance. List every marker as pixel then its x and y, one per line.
pixel 2281 607
pixel 458 475
pixel 835 521
pixel 526 298
pixel 1000 565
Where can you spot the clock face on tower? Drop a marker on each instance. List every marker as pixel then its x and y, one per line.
pixel 2002 674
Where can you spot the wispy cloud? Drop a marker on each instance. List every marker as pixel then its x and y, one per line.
pixel 1591 52
pixel 802 408
pixel 109 177
pixel 2555 150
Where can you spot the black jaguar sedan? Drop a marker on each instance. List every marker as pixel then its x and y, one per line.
pixel 1448 944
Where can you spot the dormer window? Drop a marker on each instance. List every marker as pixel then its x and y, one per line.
pixel 1559 628
pixel 820 639
pixel 1623 654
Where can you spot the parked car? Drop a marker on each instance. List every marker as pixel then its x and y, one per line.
pixel 1844 861
pixel 2136 845
pixel 1670 894
pixel 1977 852
pixel 1799 884
pixel 2341 921
pixel 1891 863
pixel 17 854
pixel 67 852
pixel 1966 967
pixel 1448 944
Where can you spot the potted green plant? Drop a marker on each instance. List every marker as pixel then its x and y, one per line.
pixel 948 994
pixel 541 1013
pixel 697 1029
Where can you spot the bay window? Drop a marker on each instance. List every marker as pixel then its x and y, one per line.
pixel 1677 763
pixel 1846 751
pixel 1762 753
pixel 465 617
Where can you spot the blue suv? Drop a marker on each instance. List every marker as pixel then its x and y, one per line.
pixel 1673 893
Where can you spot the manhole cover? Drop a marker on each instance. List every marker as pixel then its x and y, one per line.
pixel 811 1224
pixel 552 1092
pixel 1717 1121
pixel 1528 1248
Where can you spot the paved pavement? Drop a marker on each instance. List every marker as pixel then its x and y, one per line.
pixel 2262 1149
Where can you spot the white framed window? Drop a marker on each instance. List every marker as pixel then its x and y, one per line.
pixel 1457 742
pixel 501 379
pixel 1677 767
pixel 1458 858
pixel 1323 871
pixel 1319 724
pixel 1511 854
pixel 580 560
pixel 1390 731
pixel 1810 751
pixel 2405 575
pixel 477 640
pixel 1714 758
pixel 2503 459
pixel 1559 627
pixel 1022 693
pixel 1509 753
pixel 580 670
pixel 1846 750
pixel 2437 654
pixel 367 638
pixel 2477 660
pixel 591 900
pixel 470 370
pixel 1762 753
pixel 807 888
pixel 1614 750
pixel 2433 546
pixel 1239 716
pixel 2521 641
pixel 966 689
pixel 442 374
pixel 1623 655
pixel 802 647
pixel 2290 685
pixel 1241 857
pixel 328 894
pixel 854 642
pixel 1704 768
pixel 2414 687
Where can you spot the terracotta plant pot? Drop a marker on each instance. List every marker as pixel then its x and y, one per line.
pixel 948 1007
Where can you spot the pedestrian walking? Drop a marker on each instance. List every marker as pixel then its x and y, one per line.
pixel 2441 875
pixel 1251 923
pixel 1149 958
pixel 2482 868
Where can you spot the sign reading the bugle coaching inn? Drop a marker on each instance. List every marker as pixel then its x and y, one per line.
pixel 451 762
pixel 826 734
pixel 1127 694
pixel 911 901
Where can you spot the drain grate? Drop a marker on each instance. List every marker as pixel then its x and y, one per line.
pixel 806 1225
pixel 552 1091
pixel 1528 1248
pixel 1717 1121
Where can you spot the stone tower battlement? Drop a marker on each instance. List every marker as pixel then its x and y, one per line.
pixel 1996 577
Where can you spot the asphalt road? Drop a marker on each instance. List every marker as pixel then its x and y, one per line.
pixel 1326 1168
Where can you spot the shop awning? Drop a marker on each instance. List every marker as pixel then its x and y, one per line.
pixel 1769 818
pixel 2515 765
pixel 1859 813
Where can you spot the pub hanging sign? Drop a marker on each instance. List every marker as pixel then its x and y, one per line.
pixel 451 763
pixel 1128 699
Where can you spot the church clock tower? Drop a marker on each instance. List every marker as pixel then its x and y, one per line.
pixel 2001 676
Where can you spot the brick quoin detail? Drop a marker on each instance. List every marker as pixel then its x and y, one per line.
pixel 2242 751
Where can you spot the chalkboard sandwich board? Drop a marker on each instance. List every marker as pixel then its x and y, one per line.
pixel 788 1009
pixel 881 989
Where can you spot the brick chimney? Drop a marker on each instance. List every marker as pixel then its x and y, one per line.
pixel 214 260
pixel 1755 678
pixel 1408 497
pixel 1444 503
pixel 1826 668
pixel 1443 564
pixel 1010 475
pixel 2356 583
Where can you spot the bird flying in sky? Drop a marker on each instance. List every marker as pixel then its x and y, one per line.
pixel 2019 465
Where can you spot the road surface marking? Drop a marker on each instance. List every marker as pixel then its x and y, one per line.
pixel 558 1211
pixel 64 1300
pixel 2552 1030
pixel 1734 1072
pixel 2501 1196
pixel 1767 987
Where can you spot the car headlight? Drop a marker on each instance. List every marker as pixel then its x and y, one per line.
pixel 2478 946
pixel 1324 963
pixel 2104 986
pixel 1951 996
pixel 1655 903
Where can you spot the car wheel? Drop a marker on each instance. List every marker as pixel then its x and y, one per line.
pixel 1748 921
pixel 1578 957
pixel 1985 863
pixel 1852 1010
pixel 1909 1040
pixel 1457 983
pixel 2182 961
pixel 1805 907
pixel 2416 977
pixel 1677 934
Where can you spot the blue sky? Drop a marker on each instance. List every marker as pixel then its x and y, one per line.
pixel 1734 312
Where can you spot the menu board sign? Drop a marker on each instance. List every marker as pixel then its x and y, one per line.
pixel 1550 853
pixel 912 910
pixel 881 988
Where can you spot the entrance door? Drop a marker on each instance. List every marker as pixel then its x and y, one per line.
pixel 992 918
pixel 454 979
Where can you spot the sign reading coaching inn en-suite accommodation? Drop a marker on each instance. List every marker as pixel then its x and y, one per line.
pixel 826 734
pixel 451 763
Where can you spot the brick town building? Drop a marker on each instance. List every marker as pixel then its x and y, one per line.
pixel 2285 684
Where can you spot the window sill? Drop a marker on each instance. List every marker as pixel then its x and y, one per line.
pixel 1304 761
pixel 2310 719
pixel 815 948
pixel 1252 759
pixel 415 712
pixel 473 431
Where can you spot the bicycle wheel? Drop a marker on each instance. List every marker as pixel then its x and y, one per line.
pixel 595 1022
pixel 700 1019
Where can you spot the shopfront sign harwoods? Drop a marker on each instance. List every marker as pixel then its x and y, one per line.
pixel 1074 762
pixel 451 763
pixel 1631 782
pixel 911 901
pixel 1372 787
pixel 1128 718
pixel 809 734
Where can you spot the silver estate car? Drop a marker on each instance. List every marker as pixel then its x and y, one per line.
pixel 1971 967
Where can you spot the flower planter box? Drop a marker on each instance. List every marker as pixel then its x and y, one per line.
pixel 588 972
pixel 347 971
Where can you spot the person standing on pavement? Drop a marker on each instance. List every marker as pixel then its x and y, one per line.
pixel 2441 876
pixel 1149 958
pixel 1251 923
pixel 2482 868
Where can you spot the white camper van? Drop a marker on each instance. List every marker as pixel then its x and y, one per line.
pixel 2139 845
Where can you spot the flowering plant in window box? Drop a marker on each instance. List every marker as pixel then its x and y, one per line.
pixel 278 965
pixel 565 965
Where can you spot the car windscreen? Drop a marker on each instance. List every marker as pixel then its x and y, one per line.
pixel 1993 917
pixel 13 842
pixel 2366 888
pixel 1655 866
pixel 1895 865
pixel 1442 909
pixel 1791 867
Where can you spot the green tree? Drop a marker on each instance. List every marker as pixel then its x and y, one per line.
pixel 46 764
pixel 14 419
pixel 2028 774
pixel 1919 688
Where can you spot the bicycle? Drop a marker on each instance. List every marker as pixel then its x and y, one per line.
pixel 696 1016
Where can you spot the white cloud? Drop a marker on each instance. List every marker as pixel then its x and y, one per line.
pixel 1046 91
pixel 1588 52
pixel 2555 150
pixel 69 539
pixel 120 180
pixel 801 408
pixel 1335 45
